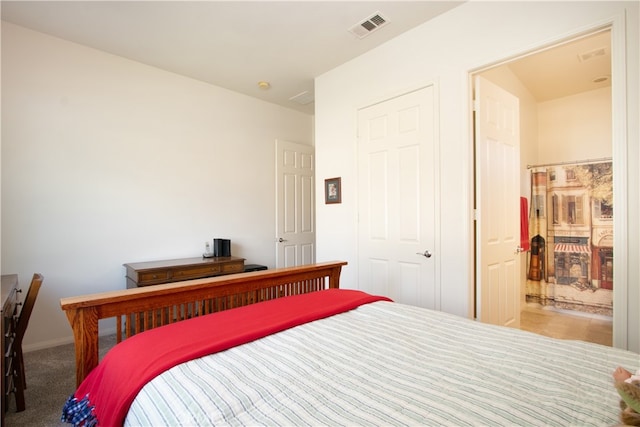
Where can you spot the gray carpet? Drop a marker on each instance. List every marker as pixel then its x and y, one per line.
pixel 50 380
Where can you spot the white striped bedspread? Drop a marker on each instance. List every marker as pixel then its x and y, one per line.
pixel 391 364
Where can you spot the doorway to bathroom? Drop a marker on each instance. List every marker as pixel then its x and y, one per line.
pixel 565 96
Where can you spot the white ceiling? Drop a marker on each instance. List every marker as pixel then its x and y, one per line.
pixel 232 44
pixel 236 44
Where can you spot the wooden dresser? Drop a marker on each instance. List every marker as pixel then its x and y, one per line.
pixel 9 292
pixel 158 272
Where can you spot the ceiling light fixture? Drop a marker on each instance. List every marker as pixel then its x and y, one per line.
pixel 264 85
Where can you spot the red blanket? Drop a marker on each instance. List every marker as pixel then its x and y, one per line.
pixel 105 395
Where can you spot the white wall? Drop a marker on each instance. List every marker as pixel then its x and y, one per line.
pixel 575 127
pixel 107 161
pixel 444 51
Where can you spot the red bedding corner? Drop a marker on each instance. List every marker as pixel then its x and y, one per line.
pixel 104 397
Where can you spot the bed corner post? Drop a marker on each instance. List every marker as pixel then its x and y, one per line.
pixel 84 323
pixel 334 277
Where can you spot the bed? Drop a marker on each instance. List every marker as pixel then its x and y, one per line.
pixel 321 355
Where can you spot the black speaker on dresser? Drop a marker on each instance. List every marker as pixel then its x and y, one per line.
pixel 221 247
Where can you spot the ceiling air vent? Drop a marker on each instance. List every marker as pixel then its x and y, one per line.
pixel 369 25
pixel 303 98
pixel 586 56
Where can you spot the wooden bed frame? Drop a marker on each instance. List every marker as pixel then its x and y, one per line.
pixel 143 308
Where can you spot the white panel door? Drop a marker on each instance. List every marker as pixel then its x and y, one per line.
pixel 397 167
pixel 498 204
pixel 295 204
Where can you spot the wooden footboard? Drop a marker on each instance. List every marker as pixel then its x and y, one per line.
pixel 148 307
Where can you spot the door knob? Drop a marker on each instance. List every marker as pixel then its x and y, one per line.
pixel 425 254
pixel 281 240
pixel 519 249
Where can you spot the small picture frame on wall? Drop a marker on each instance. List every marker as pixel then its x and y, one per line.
pixel 332 191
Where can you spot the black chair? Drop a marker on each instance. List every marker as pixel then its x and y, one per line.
pixel 21 327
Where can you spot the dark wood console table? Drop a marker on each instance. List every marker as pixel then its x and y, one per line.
pixel 158 272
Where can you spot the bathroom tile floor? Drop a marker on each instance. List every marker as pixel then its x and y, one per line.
pixel 566 326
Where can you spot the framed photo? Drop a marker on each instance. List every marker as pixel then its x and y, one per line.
pixel 332 191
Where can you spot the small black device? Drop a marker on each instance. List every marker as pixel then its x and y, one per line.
pixel 221 247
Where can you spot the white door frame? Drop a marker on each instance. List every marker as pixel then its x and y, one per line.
pixel 619 151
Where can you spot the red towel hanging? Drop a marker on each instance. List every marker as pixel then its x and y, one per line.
pixel 524 224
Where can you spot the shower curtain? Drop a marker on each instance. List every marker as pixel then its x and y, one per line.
pixel 570 263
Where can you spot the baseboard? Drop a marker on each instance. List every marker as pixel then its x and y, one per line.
pixel 42 345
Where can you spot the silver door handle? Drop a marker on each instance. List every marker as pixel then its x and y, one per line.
pixel 519 249
pixel 425 254
pixel 280 240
